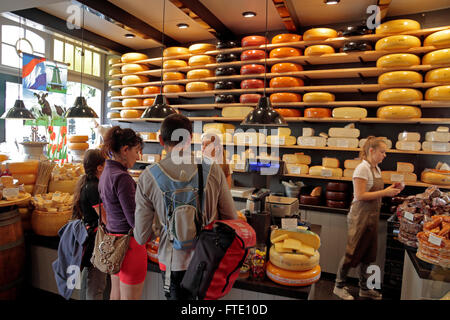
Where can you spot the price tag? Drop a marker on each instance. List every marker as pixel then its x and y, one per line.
pixel 409 216
pixel 409 146
pixel 239 166
pixel 295 170
pixel 151 159
pixel 279 140
pixel 326 173
pixel 309 142
pixel 145 136
pixel 397 177
pixel 248 139
pixel 342 143
pixel 435 240
pixel 439 147
pixel 289 223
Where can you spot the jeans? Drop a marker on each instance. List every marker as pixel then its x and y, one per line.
pixel 176 292
pixel 95 285
pixel 341 276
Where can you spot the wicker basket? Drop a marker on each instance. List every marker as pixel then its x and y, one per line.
pixel 47 223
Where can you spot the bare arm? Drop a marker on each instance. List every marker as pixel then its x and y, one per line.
pixel 360 192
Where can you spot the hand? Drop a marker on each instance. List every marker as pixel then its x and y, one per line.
pixel 399 185
pixel 391 191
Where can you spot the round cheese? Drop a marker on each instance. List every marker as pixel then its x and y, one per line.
pixel 65 186
pixel 251 41
pixel 133 56
pixel 113 71
pixel 400 78
pixel 173 88
pixel 176 63
pixel 25 178
pixel 285 52
pixel 148 102
pixel 133 68
pixel 252 84
pixel 170 76
pixel 281 97
pixel 131 113
pixel 399 95
pixel 292 278
pixel 439 39
pixel 440 93
pixel 441 56
pixel 317 113
pixel 175 51
pixel 199 48
pixel 114 104
pixel 335 196
pixel 398 42
pixel 114 93
pixel 151 90
pixel 397 26
pixel 78 146
pixel 441 75
pixel 28 189
pixel 318 50
pixel 199 74
pixel 131 91
pixel 77 138
pixel 398 112
pixel 112 61
pixel 253 55
pixel 293 261
pixel 201 60
pixel 311 200
pixel 133 79
pixel 435 177
pixel 336 204
pixel 249 98
pixel 286 67
pixel 197 86
pixel 252 69
pixel 318 97
pixel 113 115
pixel 30 166
pixel 236 112
pixel 286 37
pixel 398 60
pixel 285 112
pixel 131 102
pixel 115 82
pixel 319 34
pixel 284 82
pixel 349 113
pixel 339 186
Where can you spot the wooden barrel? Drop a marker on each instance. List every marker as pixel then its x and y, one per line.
pixel 12 254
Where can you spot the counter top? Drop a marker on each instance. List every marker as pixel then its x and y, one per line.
pixel 427 270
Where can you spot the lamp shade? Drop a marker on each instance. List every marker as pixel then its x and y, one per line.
pixel 18 112
pixel 159 109
pixel 80 109
pixel 264 115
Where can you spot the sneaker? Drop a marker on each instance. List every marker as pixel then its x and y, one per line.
pixel 343 293
pixel 371 294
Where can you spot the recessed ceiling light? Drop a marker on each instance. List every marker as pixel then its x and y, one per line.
pixel 182 25
pixel 248 14
pixel 331 1
pixel 129 35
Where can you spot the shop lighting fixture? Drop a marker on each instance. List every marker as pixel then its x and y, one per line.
pixel 331 1
pixel 182 26
pixel 129 35
pixel 248 14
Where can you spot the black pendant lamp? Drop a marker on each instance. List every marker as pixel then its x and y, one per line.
pixel 160 107
pixel 263 115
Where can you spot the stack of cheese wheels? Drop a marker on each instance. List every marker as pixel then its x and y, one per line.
pixel 336 193
pixel 78 142
pixel 399 112
pixel 396 60
pixel 397 42
pixel 404 173
pixel 285 52
pixel 439 39
pixel 437 57
pixel 350 166
pixel 319 49
pixel 408 141
pixel 318 97
pixel 399 95
pixel 297 163
pixel 286 37
pixel 294 257
pixel 400 78
pixel 319 34
pixel 26 172
pixel 437 141
pixel 346 137
pixel 397 26
pixel 285 82
pixel 440 75
pixel 131 57
pixel 251 41
pixel 439 93
pixel 200 48
pixel 307 139
pixel 283 67
pixel 282 138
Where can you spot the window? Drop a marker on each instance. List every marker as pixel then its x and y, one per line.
pixel 71 54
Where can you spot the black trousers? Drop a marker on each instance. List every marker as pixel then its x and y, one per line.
pixel 176 292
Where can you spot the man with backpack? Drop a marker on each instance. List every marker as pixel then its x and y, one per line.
pixel 170 189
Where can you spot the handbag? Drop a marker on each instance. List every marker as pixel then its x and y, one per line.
pixel 109 250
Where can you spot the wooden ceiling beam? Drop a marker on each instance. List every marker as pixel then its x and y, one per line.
pixel 384 6
pixel 285 10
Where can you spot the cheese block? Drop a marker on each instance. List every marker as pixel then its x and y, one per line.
pixel 175 63
pixel 398 42
pixel 286 67
pixel 398 112
pixel 133 56
pixel 218 127
pixel 435 177
pixel 437 57
pixel 114 104
pixel 330 162
pixel 201 60
pixel 285 52
pixel 133 68
pixel 78 146
pixel 131 113
pixel 287 260
pixel 250 41
pixel 312 141
pixel 400 78
pixel 436 136
pixel 351 163
pixel 318 97
pixel 397 26
pixel 131 91
pixel 399 95
pixel 342 142
pixel 335 196
pixel 441 75
pixel 292 278
pixel 197 86
pixel 252 69
pixel 343 132
pixel 112 61
pixel 173 88
pixel 113 71
pixel 286 37
pixel 199 48
pixel 319 34
pixel 349 113
pixel 317 113
pixel 307 132
pixel 348 173
pixel 133 79
pixel 77 138
pixel 337 186
pixel 114 82
pixel 285 82
pixel 170 76
pixel 405 167
pixel 285 112
pixel 250 138
pixel 151 90
pixel 396 60
pixel 252 84
pixel 408 145
pixel 281 140
pixel 236 112
pixel 281 97
pixel 113 115
pixel 317 191
pixel 394 176
pixel 439 39
pixel 325 172
pixel 131 102
pixel 436 146
pixel 440 93
pixel 386 140
pixel 305 237
pixel 296 158
pixel 317 50
pixel 175 51
pixel 409 136
pixel 25 178
pixel 249 98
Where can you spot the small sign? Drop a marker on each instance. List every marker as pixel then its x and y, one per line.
pixel 295 170
pixel 397 177
pixel 309 142
pixel 409 216
pixel 151 159
pixel 326 173
pixel 248 139
pixel 435 240
pixel 409 146
pixel 239 166
pixel 289 223
pixel 144 136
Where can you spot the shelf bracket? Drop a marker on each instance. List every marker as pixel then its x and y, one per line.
pixel 362 60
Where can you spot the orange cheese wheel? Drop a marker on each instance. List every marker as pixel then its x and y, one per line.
pixel 253 55
pixel 80 145
pixel 285 52
pixel 114 104
pixel 281 97
pixel 286 67
pixel 440 93
pixel 131 91
pixel 112 61
pixel 398 42
pixel 318 97
pixel 25 178
pixel 440 39
pixel 30 166
pixel 285 112
pixel 113 115
pixel 397 26
pixel 133 56
pixel 441 75
pixel 173 88
pixel 286 37
pixel 292 278
pixel 148 101
pixel 114 93
pixel 318 50
pixel 399 94
pixel 398 60
pixel 400 77
pixel 151 90
pixel 398 112
pixel 175 51
pixel 168 76
pixel 74 139
pixel 251 41
pixel 199 48
pixel 317 113
pixel 131 113
pixel 134 79
pixel 115 82
pixel 285 82
pixel 131 102
pixel 201 60
pixel 133 68
pixel 441 56
pixel 252 69
pixel 197 86
pixel 199 74
pixel 319 34
pixel 176 63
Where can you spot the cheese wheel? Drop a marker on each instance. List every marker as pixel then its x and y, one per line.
pixel 441 75
pixel 199 48
pixel 169 76
pixel 399 95
pixel 286 67
pixel 249 138
pixel 281 97
pixel 351 163
pixel 398 112
pixel 398 42
pixel 436 146
pixel 349 113
pixel 337 187
pixel 307 132
pixel 173 88
pixel 224 85
pixel 330 162
pixel 436 136
pixel 437 57
pixel 325 172
pixel 317 112
pixel 440 93
pixel 336 196
pixel 253 55
pixel 319 34
pixel 285 52
pixel 405 167
pixel 282 132
pixel 197 86
pixel 292 278
pixel 115 82
pixel 175 51
pixel 398 60
pixel 311 141
pixel 133 56
pixel 79 146
pixel 439 39
pixel 285 112
pixel 394 176
pixel 77 138
pixel 226 71
pixel 318 97
pixel 408 136
pixel 66 186
pixel 297 158
pixel 285 82
pixel 148 102
pixel 435 177
pixel 131 91
pixel 114 93
pixel 131 113
pixel 309 200
pixel 397 26
pixel 236 112
pixel 113 71
pixel 408 145
pixel 252 84
pixel 251 41
pixel 400 78
pixel 112 61
pixel 297 168
pixel 25 178
pixel 201 60
pixel 151 90
pixel 342 142
pixel 348 173
pixel 133 68
pixel 293 261
pixel 318 50
pixel 286 37
pixel 134 79
pixel 131 102
pixel 113 115
pixel 114 104
pixel 249 98
pixel 252 69
pixel 199 74
pixel 220 127
pixel 336 204
pixel 176 63
pixel 281 140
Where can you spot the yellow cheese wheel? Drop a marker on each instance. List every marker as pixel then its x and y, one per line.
pixel 398 112
pixel 30 166
pixel 281 140
pixel 113 71
pixel 115 82
pixel 236 112
pixel 173 88
pixel 441 56
pixel 435 177
pixel 201 60
pixel 319 34
pixel 25 178
pixel 400 78
pixel 133 68
pixel 134 79
pixel 397 26
pixel 74 139
pixel 169 64
pixel 131 91
pixel 197 86
pixel 169 76
pixel 175 51
pixel 292 278
pixel 133 56
pixel 318 50
pixel 293 261
pixel 440 39
pixel 114 93
pixel 398 60
pixel 441 75
pixel 113 115
pixel 325 172
pixel 199 48
pixel 440 93
pixel 114 104
pixel 78 146
pixel 131 102
pixel 199 74
pixel 131 113
pixel 399 95
pixel 398 42
pixel 349 113
pixel 66 186
pixel 112 61
pixel 318 97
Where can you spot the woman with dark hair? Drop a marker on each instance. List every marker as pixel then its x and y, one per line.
pixel 117 190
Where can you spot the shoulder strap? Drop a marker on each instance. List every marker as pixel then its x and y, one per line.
pixel 200 196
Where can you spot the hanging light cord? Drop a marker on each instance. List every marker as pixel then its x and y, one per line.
pixel 265 56
pixel 82 52
pixel 162 46
pixel 20 51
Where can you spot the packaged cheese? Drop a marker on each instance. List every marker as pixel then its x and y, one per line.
pixel 343 132
pixel 409 136
pixel 394 176
pixel 436 146
pixel 297 168
pixel 408 145
pixel 296 158
pixel 436 136
pixel 325 172
pixel 351 163
pixel 348 173
pixel 312 141
pixel 330 162
pixel 405 167
pixel 342 142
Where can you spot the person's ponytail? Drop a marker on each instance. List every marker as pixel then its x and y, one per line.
pixel 371 142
